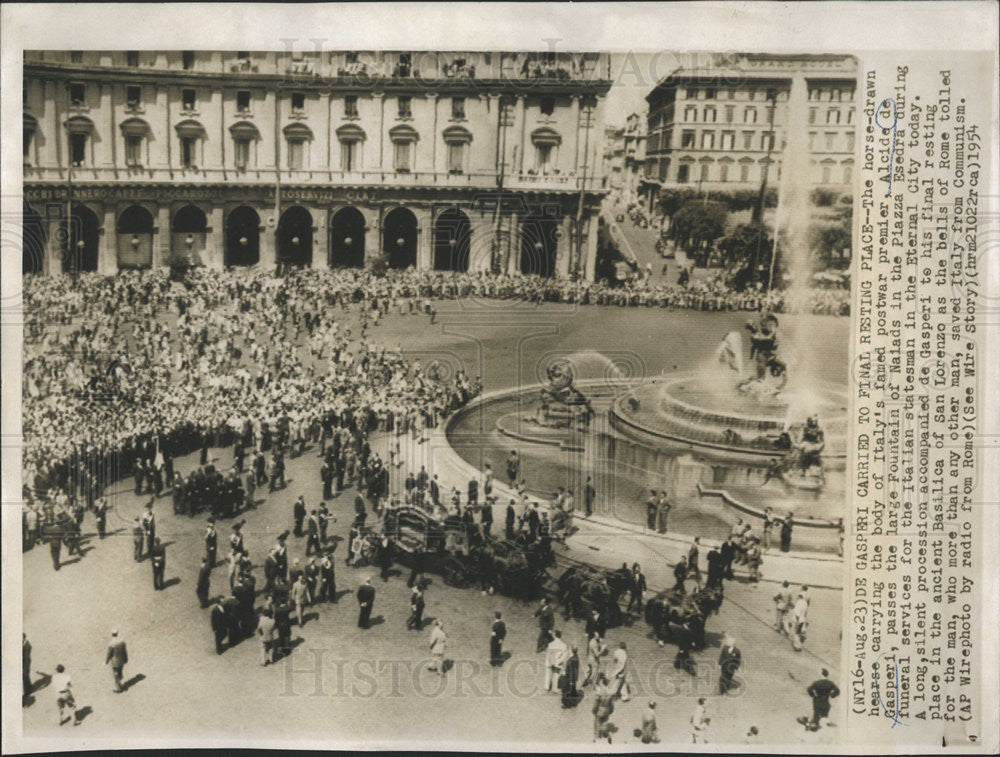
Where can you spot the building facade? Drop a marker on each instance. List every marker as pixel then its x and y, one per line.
pixel 458 161
pixel 722 126
pixel 634 158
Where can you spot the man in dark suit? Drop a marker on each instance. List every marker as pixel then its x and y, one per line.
pixel 487 518
pixel 366 599
pixel 117 656
pixel 312 533
pixel 211 542
pixel 158 559
pixel 435 490
pixel 509 520
pixel 822 691
pixel 497 634
pixel 730 660
pixel 204 581
pixel 534 521
pixel 637 587
pixel 299 514
pixel 220 625
pixel 326 476
pixel 416 619
pixel 546 622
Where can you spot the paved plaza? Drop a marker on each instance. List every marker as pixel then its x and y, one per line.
pixel 373 686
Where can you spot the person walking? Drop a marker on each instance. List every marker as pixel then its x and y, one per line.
pixel 384 558
pixel 596 650
pixel 298 513
pixel 300 596
pixel 498 633
pixel 439 640
pixel 117 657
pixel 822 690
pixel 416 620
pixel 158 559
pixel 312 533
pixel 636 588
pixel 730 660
pixel 62 684
pixel 138 535
pixel 220 624
pixel 571 695
pixel 366 599
pixel 328 579
pixel 786 533
pixel 510 518
pixel 204 582
pixel 648 732
pixel 556 655
pixel 604 706
pixel 546 622
pixel 699 723
pixel 619 672
pixel 211 542
pixel 26 684
pixel 694 569
pixel 265 632
pixel 589 495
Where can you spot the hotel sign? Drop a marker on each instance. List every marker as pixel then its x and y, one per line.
pixel 195 194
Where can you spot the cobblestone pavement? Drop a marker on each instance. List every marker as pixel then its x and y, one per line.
pixel 341 683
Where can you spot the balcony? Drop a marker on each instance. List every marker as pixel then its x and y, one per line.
pixel 356 68
pixel 301 68
pixel 458 70
pixel 243 66
pixel 527 181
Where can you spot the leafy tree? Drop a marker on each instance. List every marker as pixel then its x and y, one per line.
pixel 696 225
pixel 671 200
pixel 746 253
pixel 829 241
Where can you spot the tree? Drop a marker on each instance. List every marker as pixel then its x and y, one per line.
pixel 746 253
pixel 671 200
pixel 608 256
pixel 697 225
pixel 829 241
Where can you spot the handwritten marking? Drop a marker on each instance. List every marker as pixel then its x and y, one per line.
pixel 892 153
pixel 894 715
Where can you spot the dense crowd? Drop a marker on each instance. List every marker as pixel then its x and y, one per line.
pixel 139 366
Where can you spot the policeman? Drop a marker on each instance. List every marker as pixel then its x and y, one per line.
pixel 211 542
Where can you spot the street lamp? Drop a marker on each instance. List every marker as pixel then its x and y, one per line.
pixel 347 241
pixel 295 240
pixel 135 241
pixel 244 241
pixel 189 241
pixel 400 242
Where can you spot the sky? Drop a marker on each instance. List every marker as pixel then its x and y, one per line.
pixel 634 75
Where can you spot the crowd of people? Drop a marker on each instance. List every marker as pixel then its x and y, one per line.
pixel 124 374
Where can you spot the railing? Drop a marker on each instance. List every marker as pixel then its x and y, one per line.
pixel 478 179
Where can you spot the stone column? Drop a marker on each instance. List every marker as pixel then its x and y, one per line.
pixel 216 239
pixel 107 249
pixel 321 238
pixel 564 246
pixel 513 245
pixel 425 238
pixel 268 243
pixel 432 98
pixel 52 266
pixel 161 240
pixel 590 247
pixel 574 135
pixel 379 100
pixel 490 157
pixel 520 121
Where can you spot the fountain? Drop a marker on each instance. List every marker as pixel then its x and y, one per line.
pixel 752 428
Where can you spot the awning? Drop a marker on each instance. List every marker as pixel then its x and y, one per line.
pixel 135 127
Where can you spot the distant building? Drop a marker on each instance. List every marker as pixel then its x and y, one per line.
pixel 634 144
pixel 438 160
pixel 614 156
pixel 713 126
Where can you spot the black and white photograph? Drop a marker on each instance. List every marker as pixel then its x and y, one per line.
pixel 490 398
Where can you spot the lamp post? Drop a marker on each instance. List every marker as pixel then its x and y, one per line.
pixel 772 97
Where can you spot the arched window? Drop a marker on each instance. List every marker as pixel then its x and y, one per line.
pixel 297 137
pixel 135 132
pixel 403 139
pixel 457 138
pixel 352 138
pixel 546 142
pixel 191 135
pixel 135 238
pixel 245 136
pixel 79 129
